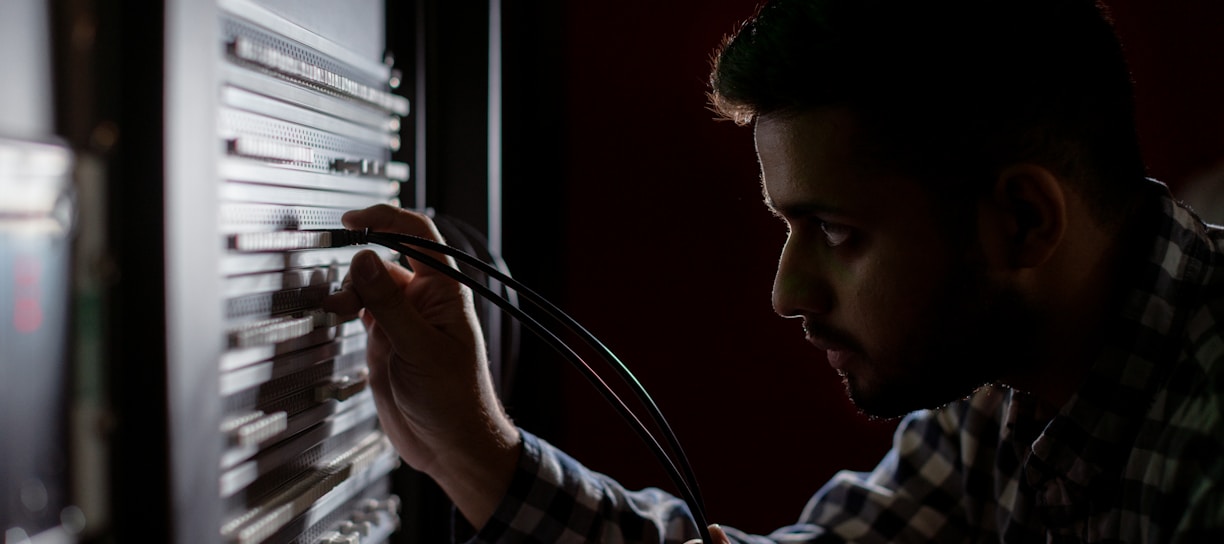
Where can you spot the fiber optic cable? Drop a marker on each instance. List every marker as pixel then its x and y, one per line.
pixel 681 475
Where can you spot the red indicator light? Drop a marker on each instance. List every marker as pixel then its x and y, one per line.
pixel 27 308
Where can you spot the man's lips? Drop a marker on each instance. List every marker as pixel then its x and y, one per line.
pixel 836 351
pixel 837 354
pixel 839 359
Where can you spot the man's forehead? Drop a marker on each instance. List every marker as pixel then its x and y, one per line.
pixel 828 123
pixel 797 150
pixel 823 162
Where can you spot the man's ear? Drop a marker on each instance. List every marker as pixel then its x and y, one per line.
pixel 1030 208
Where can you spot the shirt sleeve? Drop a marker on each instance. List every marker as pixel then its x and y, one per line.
pixel 911 496
pixel 930 487
pixel 553 498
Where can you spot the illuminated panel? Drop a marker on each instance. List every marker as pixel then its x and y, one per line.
pixel 35 242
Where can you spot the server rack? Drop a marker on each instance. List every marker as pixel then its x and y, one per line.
pixel 240 412
pixel 201 394
pixel 273 127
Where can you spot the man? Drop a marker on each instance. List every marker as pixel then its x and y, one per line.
pixel 972 243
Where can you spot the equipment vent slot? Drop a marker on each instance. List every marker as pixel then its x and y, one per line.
pixel 233 29
pixel 280 217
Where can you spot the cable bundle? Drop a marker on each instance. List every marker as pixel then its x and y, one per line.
pixel 678 468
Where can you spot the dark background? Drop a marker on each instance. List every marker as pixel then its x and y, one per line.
pixel 637 212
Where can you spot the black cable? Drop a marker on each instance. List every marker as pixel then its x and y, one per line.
pixel 534 326
pixel 510 347
pixel 686 482
pixel 503 333
pixel 572 325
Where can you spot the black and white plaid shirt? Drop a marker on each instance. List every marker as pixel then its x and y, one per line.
pixel 1136 456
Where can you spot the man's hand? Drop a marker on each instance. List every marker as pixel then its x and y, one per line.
pixel 428 368
pixel 716 533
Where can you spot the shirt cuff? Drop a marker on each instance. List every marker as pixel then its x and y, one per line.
pixel 526 474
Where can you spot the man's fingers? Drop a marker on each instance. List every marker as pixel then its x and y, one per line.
pixel 344 302
pixel 378 361
pixel 384 299
pixel 387 218
pixel 716 533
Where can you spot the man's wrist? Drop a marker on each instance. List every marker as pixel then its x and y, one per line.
pixel 476 474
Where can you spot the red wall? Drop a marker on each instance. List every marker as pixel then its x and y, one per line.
pixel 668 253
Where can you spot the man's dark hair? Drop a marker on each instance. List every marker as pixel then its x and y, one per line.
pixel 950 90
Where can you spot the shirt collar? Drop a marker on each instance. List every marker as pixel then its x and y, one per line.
pixel 1091 435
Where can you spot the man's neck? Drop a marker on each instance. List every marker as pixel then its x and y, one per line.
pixel 1082 293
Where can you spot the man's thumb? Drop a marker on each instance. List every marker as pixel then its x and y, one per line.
pixel 367 268
pixel 381 295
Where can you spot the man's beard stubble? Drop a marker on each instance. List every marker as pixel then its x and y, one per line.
pixel 983 333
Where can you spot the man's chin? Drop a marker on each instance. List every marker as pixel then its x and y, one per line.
pixel 880 402
pixel 869 400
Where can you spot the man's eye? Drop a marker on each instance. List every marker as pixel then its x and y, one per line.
pixel 835 234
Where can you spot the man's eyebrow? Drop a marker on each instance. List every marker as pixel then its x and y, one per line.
pixel 774 209
pixel 769 203
pixel 803 210
pixel 797 209
pixel 800 209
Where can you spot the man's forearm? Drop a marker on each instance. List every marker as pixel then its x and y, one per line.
pixel 477 475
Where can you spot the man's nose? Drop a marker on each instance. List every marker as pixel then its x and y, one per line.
pixel 801 285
